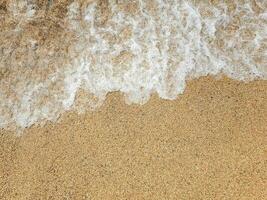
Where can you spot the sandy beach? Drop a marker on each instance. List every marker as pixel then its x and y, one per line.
pixel 59 56
pixel 210 143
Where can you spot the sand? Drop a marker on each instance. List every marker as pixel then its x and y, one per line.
pixel 210 143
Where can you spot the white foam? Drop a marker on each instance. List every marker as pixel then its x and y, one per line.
pixel 152 50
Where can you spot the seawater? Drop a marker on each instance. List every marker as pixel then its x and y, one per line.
pixel 51 62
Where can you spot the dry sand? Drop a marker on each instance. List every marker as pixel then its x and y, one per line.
pixel 210 143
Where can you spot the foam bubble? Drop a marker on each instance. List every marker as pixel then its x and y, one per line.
pixel 136 47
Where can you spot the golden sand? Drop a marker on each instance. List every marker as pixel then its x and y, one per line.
pixel 210 143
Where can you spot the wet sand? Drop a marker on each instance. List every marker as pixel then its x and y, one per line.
pixel 210 143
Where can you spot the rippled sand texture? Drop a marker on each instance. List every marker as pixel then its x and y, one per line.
pixel 50 49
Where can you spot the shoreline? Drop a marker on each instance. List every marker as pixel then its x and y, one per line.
pixel 208 143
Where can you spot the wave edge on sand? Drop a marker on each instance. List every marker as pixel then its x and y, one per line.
pixel 68 55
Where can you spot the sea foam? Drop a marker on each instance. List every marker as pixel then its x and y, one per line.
pixel 52 62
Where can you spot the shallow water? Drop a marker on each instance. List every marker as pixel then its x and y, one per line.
pixel 61 56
